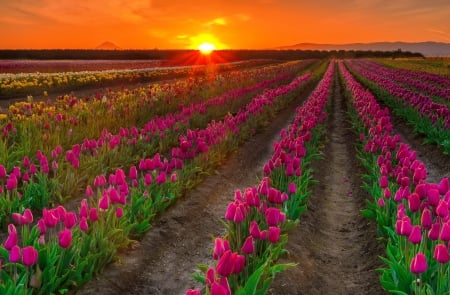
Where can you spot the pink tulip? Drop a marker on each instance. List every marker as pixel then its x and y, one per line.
pixel 49 218
pixel 148 179
pixel 225 264
pixel 11 241
pixel 119 212
pixel 443 186
pixel 173 177
pixel 210 276
pixel 274 234
pixel 414 202
pixel 14 254
pixel 231 210
pixel 89 191
pixel 442 209
pixel 254 230
pixel 426 219
pixel 83 224
pixel 239 215
pixel 445 232
pixel 291 188
pixel 433 233
pixel 133 172
pixel 419 264
pixel 2 171
pixel 383 181
pixel 415 237
pixel 65 238
pixel 249 246
pixel 93 214
pixel 381 202
pixel 103 204
pixel 220 247
pixel 41 226
pixel 70 220
pixel 11 182
pixel 193 292
pixel 84 208
pixel 161 178
pixel 274 216
pixel 441 254
pixel 29 256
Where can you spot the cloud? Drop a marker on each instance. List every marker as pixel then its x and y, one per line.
pixel 221 21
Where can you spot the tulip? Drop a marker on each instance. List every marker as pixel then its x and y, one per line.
pixel 426 219
pixel 445 232
pixel 210 277
pixel 225 264
pixel 29 256
pixel 418 264
pixel 41 226
pixel 383 181
pixel 254 229
pixel 83 208
pixel 70 220
pixel 291 188
pixel 119 212
pixel 193 292
pixel 11 182
pixel 65 238
pixel 148 179
pixel 2 171
pixel 103 204
pixel 49 218
pixel 14 254
pixel 381 202
pixel 239 215
pixel 443 186
pixel 249 246
pixel 274 234
pixel 414 202
pixel 231 210
pixel 274 216
pixel 133 172
pixel 89 191
pixel 239 263
pixel 415 236
pixel 433 233
pixel 93 214
pixel 441 254
pixel 442 209
pixel 173 177
pixel 220 247
pixel 83 224
pixel 161 178
pixel 11 241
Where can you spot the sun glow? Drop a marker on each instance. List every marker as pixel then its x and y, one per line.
pixel 206 48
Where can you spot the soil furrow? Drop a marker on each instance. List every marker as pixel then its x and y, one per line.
pixel 164 261
pixel 334 247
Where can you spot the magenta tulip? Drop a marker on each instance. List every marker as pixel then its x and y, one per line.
pixel 11 241
pixel 445 232
pixel 441 254
pixel 249 246
pixel 274 234
pixel 433 233
pixel 415 237
pixel 29 256
pixel 65 238
pixel 70 220
pixel 41 226
pixel 193 292
pixel 426 218
pixel 14 254
pixel 418 264
pixel 83 224
pixel 89 191
pixel 442 209
pixel 291 188
pixel 103 204
pixel 119 212
pixel 225 264
pixel 93 214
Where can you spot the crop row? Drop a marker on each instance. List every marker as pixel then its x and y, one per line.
pixel 426 116
pixel 65 248
pixel 412 213
pixel 245 259
pixel 13 85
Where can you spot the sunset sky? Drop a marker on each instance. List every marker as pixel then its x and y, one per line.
pixel 236 24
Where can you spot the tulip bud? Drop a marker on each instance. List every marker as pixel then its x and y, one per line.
pixel 415 237
pixel 249 246
pixel 83 224
pixel 418 264
pixel 14 254
pixel 274 234
pixel 29 256
pixel 65 238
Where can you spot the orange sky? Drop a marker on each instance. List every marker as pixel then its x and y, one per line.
pixel 237 24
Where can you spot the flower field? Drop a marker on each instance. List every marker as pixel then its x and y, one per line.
pixel 87 183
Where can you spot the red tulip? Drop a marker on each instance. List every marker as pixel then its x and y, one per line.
pixel 29 256
pixel 441 254
pixel 65 238
pixel 419 264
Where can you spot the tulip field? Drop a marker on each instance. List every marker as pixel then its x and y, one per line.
pixel 221 180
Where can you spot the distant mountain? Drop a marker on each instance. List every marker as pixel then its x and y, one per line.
pixel 426 48
pixel 107 46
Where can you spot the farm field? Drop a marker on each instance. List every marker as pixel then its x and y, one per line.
pixel 256 177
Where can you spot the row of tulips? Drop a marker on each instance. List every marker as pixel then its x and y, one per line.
pixel 68 120
pixel 65 248
pixel 12 85
pixel 412 213
pixel 245 259
pixel 427 117
pixel 424 104
pixel 69 168
pixel 425 83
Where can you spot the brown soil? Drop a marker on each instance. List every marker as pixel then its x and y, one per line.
pixel 334 247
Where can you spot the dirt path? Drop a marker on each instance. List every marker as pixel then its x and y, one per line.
pixel 165 259
pixel 334 246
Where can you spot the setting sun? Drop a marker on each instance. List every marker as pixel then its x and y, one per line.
pixel 206 48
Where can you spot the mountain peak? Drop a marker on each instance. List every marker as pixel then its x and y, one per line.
pixel 107 45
